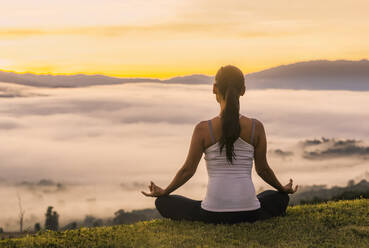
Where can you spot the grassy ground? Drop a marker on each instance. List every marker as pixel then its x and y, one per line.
pixel 335 224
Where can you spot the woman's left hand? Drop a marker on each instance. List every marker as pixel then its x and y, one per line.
pixel 155 190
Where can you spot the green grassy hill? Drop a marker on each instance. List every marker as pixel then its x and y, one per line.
pixel 334 224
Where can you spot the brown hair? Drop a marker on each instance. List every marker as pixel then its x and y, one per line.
pixel 230 82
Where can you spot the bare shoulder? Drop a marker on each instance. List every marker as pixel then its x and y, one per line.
pixel 248 120
pixel 199 133
pixel 258 124
pixel 201 128
pixel 259 132
pixel 201 125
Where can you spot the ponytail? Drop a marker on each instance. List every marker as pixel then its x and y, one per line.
pixel 230 123
pixel 230 81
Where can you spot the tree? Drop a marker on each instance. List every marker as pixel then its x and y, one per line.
pixel 70 226
pixel 350 183
pixel 52 219
pixel 122 217
pixel 37 227
pixel 21 213
pixel 91 221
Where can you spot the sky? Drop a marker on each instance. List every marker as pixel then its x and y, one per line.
pixel 164 38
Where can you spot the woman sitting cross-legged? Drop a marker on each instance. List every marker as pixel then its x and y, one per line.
pixel 231 142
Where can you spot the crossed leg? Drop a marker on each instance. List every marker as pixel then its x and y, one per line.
pixel 273 203
pixel 177 207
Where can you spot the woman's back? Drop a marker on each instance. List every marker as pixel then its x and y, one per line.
pixel 230 187
pixel 230 196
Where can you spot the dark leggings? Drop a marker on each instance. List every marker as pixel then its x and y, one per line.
pixel 177 207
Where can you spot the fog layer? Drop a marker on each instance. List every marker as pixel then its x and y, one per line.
pixel 99 146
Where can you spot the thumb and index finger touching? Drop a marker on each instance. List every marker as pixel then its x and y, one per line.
pixel 293 189
pixel 151 187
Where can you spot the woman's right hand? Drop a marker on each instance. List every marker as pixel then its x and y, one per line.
pixel 289 189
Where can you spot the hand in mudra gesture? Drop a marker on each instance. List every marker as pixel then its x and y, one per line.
pixel 289 189
pixel 155 190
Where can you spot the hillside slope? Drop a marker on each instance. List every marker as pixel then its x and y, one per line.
pixel 335 224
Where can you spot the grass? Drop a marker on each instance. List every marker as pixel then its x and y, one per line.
pixel 332 224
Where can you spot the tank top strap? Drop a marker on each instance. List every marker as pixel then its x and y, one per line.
pixel 211 131
pixel 252 131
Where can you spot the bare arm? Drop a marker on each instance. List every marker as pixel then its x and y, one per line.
pixel 261 164
pixel 187 170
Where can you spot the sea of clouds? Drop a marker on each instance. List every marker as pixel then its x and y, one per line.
pixel 92 150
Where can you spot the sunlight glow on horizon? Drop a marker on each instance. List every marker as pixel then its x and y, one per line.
pixel 163 39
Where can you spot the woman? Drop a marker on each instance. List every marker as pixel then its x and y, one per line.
pixel 230 142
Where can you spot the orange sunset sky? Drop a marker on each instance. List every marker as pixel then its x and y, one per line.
pixel 166 38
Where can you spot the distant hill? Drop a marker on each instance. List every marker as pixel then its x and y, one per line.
pixel 320 193
pixel 314 75
pixel 54 81
pixel 311 75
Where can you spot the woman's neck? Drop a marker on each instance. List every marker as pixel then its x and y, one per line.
pixel 239 115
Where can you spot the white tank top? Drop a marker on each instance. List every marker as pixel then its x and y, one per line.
pixel 230 187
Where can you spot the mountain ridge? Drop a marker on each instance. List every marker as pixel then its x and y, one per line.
pixel 311 75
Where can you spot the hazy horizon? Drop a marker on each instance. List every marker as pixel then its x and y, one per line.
pixel 304 75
